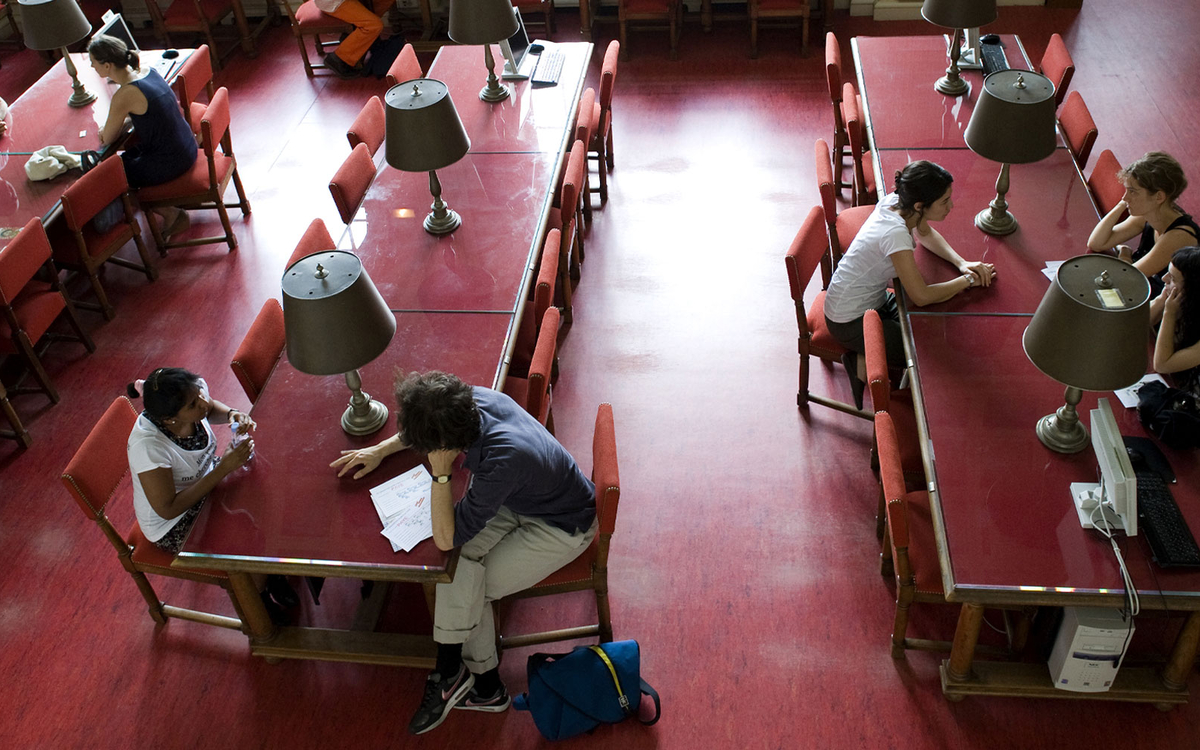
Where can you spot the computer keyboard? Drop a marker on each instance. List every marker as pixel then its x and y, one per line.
pixel 1158 516
pixel 993 58
pixel 550 65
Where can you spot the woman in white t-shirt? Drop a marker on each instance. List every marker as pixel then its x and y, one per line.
pixel 173 456
pixel 883 250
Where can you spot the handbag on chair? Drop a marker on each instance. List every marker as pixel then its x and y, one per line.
pixel 572 693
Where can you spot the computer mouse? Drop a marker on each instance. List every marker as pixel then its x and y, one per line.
pixel 1137 459
pixel 990 39
pixel 170 54
pixel 536 49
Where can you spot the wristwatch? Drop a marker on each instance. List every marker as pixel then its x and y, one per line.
pixel 442 478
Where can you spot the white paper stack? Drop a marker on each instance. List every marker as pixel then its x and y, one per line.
pixel 403 507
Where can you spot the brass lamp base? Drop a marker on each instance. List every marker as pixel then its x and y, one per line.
pixel 995 221
pixel 445 223
pixel 364 415
pixel 1062 431
pixel 80 97
pixel 952 85
pixel 494 91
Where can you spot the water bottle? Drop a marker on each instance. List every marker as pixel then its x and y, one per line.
pixel 239 437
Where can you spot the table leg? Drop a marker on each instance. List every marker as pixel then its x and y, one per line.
pixel 962 653
pixel 430 597
pixel 239 15
pixel 585 20
pixel 426 21
pixel 258 622
pixel 1183 654
pixel 827 14
pixel 706 15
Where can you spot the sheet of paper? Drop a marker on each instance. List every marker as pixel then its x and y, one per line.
pixel 1129 396
pixel 402 504
pixel 1051 269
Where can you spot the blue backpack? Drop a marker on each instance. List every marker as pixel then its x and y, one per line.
pixel 570 694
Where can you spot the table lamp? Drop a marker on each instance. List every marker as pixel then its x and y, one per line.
pixel 1090 333
pixel 336 322
pixel 957 15
pixel 1012 123
pixel 484 22
pixel 55 24
pixel 424 134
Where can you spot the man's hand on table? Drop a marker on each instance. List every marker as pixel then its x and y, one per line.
pixel 368 458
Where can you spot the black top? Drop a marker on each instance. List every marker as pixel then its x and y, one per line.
pixel 1184 222
pixel 165 146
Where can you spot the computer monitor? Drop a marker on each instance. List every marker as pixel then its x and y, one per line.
pixel 114 26
pixel 1118 484
pixel 514 48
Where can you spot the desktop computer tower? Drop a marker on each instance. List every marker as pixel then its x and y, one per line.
pixel 1089 649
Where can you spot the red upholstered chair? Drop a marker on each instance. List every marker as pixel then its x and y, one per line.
pixel 599 120
pixel 195 76
pixel 1058 66
pixel 533 392
pixel 369 127
pixel 18 431
pixel 862 160
pixel 349 184
pixel 779 9
pixel 314 240
pixel 909 550
pixel 1106 189
pixel 1078 127
pixel 28 307
pixel 192 17
pixel 564 217
pixel 405 67
pixel 670 11
pixel 808 250
pixel 833 77
pixel 545 7
pixel 203 187
pixel 322 28
pixel 14 40
pixel 535 308
pixel 589 571
pixel 897 402
pixel 259 351
pixel 88 196
pixel 93 476
pixel 842 227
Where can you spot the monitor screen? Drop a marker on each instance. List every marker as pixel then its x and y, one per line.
pixel 518 43
pixel 115 27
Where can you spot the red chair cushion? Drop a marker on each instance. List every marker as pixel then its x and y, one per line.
pixel 576 571
pixel 822 344
pixel 849 222
pixel 193 182
pixel 36 307
pixel 309 16
pixel 196 112
pixel 151 558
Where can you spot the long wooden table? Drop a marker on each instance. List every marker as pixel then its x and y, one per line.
pixel 1005 525
pixel 457 300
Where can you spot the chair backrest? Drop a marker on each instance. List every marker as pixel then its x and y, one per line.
pixel 88 195
pixel 259 351
pixel 878 379
pixel 573 177
pixel 98 467
pixel 21 259
pixel 214 126
pixel 405 67
pixel 807 251
pixel 1106 188
pixel 608 75
pixel 369 127
pixel 1079 128
pixel 543 292
pixel 605 474
pixel 583 121
pixel 349 184
pixel 542 363
pixel 833 67
pixel 195 75
pixel 1058 66
pixel 891 476
pixel 825 183
pixel 852 118
pixel 314 240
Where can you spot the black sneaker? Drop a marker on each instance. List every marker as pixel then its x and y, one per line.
pixel 493 704
pixel 441 695
pixel 282 592
pixel 339 66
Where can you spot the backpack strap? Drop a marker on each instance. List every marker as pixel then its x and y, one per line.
pixel 647 690
pixel 621 697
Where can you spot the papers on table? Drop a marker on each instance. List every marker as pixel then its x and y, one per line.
pixel 403 506
pixel 1051 269
pixel 1129 396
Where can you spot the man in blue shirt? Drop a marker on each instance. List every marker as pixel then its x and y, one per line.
pixel 528 511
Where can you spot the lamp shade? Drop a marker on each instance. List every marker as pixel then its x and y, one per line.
pixel 424 131
pixel 52 24
pixel 1013 121
pixel 481 21
pixel 1091 330
pixel 959 14
pixel 333 315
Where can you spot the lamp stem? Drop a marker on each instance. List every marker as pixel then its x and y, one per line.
pixel 952 83
pixel 1062 431
pixel 81 96
pixel 441 219
pixel 996 219
pixel 364 415
pixel 493 91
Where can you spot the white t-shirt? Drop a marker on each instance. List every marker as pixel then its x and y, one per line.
pixel 148 449
pixel 861 280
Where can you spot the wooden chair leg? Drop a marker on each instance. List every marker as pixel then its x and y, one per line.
pixel 900 626
pixel 603 614
pixel 106 309
pixel 608 148
pixel 18 431
pixel 550 420
pixel 35 364
pixel 624 42
pixel 152 601
pixel 564 281
pixel 243 203
pixel 802 394
pixel 230 237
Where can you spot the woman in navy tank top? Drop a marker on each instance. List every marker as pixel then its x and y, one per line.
pixel 165 146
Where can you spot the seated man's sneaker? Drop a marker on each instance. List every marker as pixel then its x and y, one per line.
pixel 339 66
pixel 441 695
pixel 494 704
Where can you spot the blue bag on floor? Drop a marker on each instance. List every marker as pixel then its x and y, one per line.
pixel 570 694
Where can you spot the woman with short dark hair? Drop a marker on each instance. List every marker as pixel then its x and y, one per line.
pixel 1177 310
